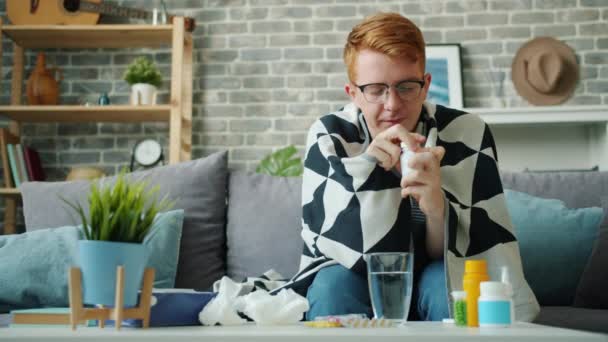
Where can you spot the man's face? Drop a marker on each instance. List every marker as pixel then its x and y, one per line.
pixel 374 67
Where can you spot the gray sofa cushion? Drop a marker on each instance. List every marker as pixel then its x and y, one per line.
pixel 199 186
pixel 591 292
pixel 264 224
pixel 574 318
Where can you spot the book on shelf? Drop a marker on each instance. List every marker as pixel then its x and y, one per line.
pixel 6 138
pixel 12 158
pixel 33 164
pixel 21 162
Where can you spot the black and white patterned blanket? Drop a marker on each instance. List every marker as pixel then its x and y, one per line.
pixel 352 206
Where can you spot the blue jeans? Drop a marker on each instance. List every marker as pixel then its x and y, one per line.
pixel 337 290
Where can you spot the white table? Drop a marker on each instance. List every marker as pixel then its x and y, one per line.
pixel 413 331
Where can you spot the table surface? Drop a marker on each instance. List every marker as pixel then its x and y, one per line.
pixel 413 331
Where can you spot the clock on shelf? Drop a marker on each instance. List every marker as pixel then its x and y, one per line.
pixel 146 153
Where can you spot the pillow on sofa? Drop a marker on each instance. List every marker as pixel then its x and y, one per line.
pixel 198 186
pixel 591 292
pixel 576 189
pixel 33 271
pixel 264 221
pixel 555 243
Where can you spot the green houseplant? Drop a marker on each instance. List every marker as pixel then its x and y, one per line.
pixel 144 78
pixel 121 213
pixel 282 163
pixel 119 218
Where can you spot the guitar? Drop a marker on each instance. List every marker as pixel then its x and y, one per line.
pixel 73 12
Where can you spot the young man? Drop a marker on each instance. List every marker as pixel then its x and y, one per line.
pixel 355 201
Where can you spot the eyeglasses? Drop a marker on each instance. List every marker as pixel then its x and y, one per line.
pixel 378 92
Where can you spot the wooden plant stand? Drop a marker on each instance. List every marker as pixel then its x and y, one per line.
pixel 79 313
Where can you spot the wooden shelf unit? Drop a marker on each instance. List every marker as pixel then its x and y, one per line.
pixel 113 113
pixel 89 36
pixel 9 192
pixel 178 113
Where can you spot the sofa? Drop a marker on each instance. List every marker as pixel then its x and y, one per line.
pixel 241 224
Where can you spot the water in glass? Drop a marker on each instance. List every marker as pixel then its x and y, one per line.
pixel 390 284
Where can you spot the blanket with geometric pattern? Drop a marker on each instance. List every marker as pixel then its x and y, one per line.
pixel 352 206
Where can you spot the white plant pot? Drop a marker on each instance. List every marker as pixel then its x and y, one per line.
pixel 143 94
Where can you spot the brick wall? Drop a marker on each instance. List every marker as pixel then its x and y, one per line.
pixel 265 69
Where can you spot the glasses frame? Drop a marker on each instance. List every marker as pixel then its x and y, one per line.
pixel 388 87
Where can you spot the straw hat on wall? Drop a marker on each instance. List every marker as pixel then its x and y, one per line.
pixel 545 71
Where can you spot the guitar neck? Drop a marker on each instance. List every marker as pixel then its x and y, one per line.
pixel 109 9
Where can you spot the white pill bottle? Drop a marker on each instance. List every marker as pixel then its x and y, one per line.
pixel 494 304
pixel 406 154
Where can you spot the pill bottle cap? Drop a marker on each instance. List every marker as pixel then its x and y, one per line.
pixel 475 266
pixel 493 289
pixel 457 295
pixel 504 278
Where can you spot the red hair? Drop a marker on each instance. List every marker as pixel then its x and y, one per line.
pixel 389 33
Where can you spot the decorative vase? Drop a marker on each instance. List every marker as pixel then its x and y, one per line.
pixel 103 100
pixel 42 88
pixel 98 263
pixel 143 94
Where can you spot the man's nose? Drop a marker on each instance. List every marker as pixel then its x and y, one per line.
pixel 392 101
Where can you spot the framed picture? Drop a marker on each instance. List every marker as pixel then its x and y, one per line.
pixel 443 63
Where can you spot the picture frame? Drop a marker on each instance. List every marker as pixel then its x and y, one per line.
pixel 444 63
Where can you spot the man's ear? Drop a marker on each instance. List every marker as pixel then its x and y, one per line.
pixel 427 81
pixel 350 90
pixel 427 84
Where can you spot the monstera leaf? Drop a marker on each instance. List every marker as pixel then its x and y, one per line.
pixel 282 163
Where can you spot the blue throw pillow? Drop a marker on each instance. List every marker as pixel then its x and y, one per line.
pixel 162 243
pixel 555 243
pixel 33 267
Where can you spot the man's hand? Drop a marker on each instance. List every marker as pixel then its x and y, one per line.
pixel 385 146
pixel 423 182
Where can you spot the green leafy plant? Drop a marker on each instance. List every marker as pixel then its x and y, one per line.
pixel 143 70
pixel 283 163
pixel 120 213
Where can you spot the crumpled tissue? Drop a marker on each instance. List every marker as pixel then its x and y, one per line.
pixel 286 307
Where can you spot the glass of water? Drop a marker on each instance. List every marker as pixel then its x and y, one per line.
pixel 390 277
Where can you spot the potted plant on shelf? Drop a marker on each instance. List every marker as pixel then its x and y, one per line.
pixel 144 78
pixel 119 218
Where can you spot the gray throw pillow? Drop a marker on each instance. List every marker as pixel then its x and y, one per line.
pixel 264 224
pixel 198 186
pixel 591 291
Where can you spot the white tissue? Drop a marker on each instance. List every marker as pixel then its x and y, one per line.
pixel 221 309
pixel 286 307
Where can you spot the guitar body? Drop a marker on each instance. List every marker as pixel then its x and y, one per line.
pixel 47 12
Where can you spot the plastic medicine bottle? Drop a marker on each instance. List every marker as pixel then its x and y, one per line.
pixel 460 308
pixel 475 272
pixel 406 154
pixel 494 305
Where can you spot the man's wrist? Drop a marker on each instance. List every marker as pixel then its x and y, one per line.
pixel 437 217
